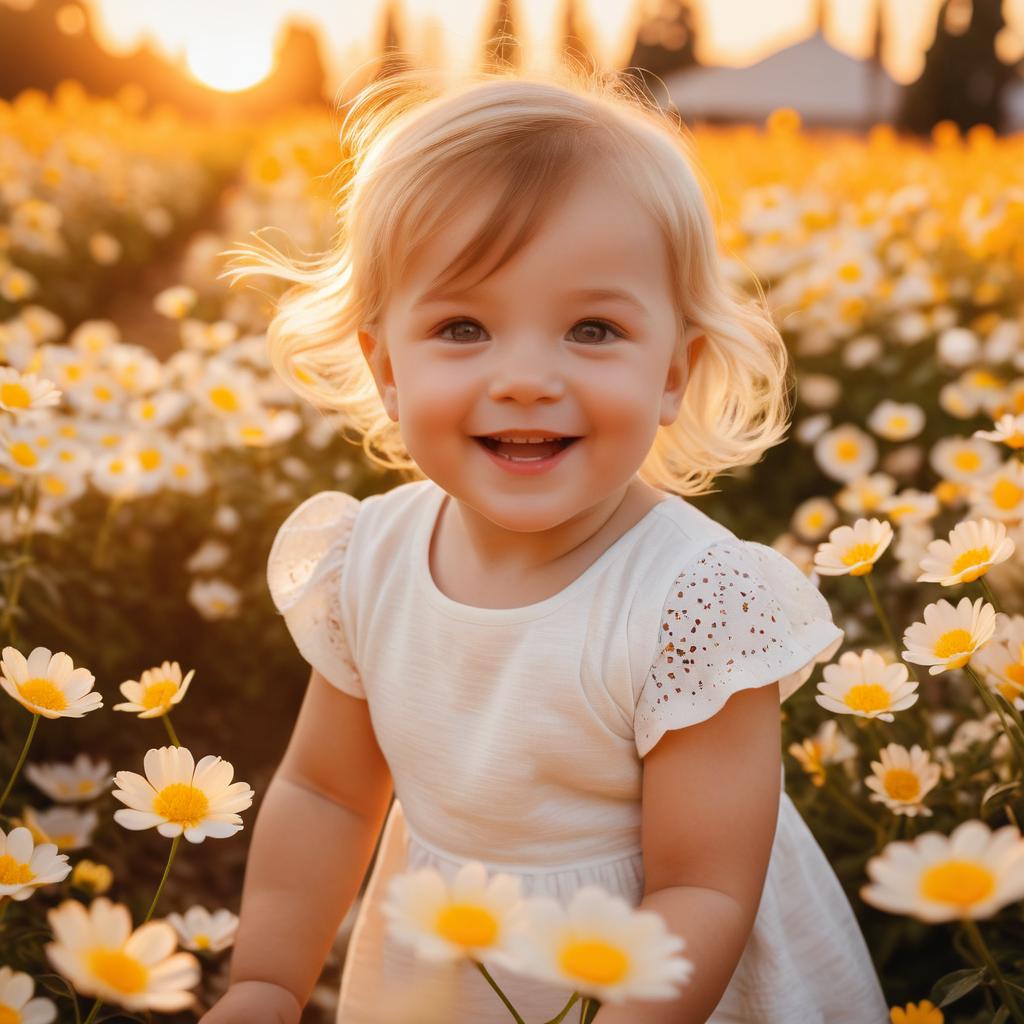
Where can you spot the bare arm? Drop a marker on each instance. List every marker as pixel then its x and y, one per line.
pixel 312 843
pixel 710 805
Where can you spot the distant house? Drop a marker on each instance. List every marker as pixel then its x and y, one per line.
pixel 826 86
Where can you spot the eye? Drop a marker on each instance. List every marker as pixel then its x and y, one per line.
pixel 598 325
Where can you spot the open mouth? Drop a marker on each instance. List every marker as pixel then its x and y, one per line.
pixel 529 451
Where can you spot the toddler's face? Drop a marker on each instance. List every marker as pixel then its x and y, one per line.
pixel 528 351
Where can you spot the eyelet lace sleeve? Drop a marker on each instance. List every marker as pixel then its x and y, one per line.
pixel 304 578
pixel 739 615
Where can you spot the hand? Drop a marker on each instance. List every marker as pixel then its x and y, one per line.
pixel 254 1002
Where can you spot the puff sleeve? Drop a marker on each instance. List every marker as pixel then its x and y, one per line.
pixel 304 578
pixel 739 615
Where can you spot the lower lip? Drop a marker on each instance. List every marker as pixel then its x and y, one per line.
pixel 526 467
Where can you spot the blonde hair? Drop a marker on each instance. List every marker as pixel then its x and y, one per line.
pixel 410 144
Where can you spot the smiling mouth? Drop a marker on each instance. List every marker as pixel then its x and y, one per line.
pixel 526 452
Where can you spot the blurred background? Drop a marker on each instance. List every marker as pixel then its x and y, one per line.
pixel 865 157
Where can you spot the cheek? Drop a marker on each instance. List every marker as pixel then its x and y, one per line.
pixel 433 394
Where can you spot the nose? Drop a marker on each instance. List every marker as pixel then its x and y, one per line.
pixel 526 372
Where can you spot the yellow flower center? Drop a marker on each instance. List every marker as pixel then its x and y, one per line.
pixel 150 458
pixel 466 924
pixel 65 840
pixel 867 697
pixel 43 694
pixel 974 557
pixel 23 453
pixel 224 398
pixel 903 785
pixel 967 460
pixel 85 785
pixel 102 392
pixel 860 555
pixel 960 882
pixel 1006 494
pixel 14 872
pixel 159 694
pixel 121 972
pixel 201 941
pixel 954 647
pixel 847 451
pixel 15 396
pixel 899 422
pixel 595 961
pixel 181 803
pixel 8 1015
pixel 850 273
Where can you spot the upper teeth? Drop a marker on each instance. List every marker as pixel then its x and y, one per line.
pixel 525 440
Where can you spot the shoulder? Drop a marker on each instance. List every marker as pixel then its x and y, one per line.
pixel 736 614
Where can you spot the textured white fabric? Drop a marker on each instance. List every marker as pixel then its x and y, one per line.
pixel 515 736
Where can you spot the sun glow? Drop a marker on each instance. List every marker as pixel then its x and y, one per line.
pixel 228 65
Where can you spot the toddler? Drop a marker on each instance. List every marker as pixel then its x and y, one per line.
pixel 552 660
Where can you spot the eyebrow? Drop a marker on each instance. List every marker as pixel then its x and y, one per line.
pixel 614 294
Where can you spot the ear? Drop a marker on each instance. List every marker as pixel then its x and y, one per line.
pixel 679 371
pixel 376 355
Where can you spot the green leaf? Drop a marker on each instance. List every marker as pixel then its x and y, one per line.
pixel 999 789
pixel 955 985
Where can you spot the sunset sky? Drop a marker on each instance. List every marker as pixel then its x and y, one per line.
pixel 210 36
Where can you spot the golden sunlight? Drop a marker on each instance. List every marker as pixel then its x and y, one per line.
pixel 229 66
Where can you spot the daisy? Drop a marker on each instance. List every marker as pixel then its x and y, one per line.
pixel 963 460
pixel 1008 429
pixel 902 778
pixel 896 421
pixel 95 948
pixel 853 549
pixel 474 916
pixel 22 392
pixel 215 599
pixel 1001 662
pixel 846 453
pixel 827 746
pixel 601 947
pixel 24 450
pixel 1001 494
pixel 972 873
pixel 866 686
pixel 866 493
pixel 973 547
pixel 949 636
pixel 24 866
pixel 924 1012
pixel 16 1003
pixel 67 828
pixel 198 929
pixel 178 796
pixel 812 518
pixel 71 782
pixel 48 684
pixel 910 506
pixel 92 877
pixel 156 691
pixel 175 302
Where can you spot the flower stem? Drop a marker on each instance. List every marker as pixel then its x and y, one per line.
pixel 18 573
pixel 501 995
pixel 170 729
pixel 990 701
pixel 860 815
pixel 993 600
pixel 92 1013
pixel 565 1010
pixel 21 760
pixel 167 871
pixel 975 937
pixel 880 612
pixel 584 1006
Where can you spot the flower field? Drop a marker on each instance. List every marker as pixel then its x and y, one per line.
pixel 145 674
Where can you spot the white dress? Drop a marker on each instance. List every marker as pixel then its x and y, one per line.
pixel 515 736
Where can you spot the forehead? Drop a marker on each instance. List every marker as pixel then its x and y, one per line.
pixel 594 232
